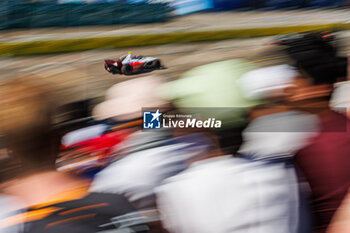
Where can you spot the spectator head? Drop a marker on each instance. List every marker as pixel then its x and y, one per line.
pixel 268 83
pixel 26 116
pixel 315 56
pixel 124 101
pixel 314 86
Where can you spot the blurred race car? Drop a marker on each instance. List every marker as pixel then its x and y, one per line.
pixel 130 64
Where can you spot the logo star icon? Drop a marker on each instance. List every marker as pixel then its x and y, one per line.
pixel 156 115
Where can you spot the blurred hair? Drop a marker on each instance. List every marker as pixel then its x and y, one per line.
pixel 317 57
pixel 26 115
pixel 323 69
pixel 310 46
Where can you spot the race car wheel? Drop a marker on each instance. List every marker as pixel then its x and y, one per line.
pixel 114 70
pixel 127 69
pixel 156 64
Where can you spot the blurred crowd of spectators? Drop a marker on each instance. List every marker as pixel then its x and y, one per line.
pixel 278 164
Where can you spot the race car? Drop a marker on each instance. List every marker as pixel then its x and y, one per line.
pixel 130 64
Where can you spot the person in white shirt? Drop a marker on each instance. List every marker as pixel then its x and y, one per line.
pixel 253 191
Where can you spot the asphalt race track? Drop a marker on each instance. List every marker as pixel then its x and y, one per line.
pixel 82 75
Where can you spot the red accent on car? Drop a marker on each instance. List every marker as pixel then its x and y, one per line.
pixel 136 63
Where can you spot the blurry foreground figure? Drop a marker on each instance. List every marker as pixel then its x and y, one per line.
pixel 47 200
pixel 341 220
pixel 276 132
pixel 255 192
pixel 197 91
pixel 340 101
pixel 324 162
pixel 146 157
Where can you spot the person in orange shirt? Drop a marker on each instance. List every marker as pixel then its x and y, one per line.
pixel 48 200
